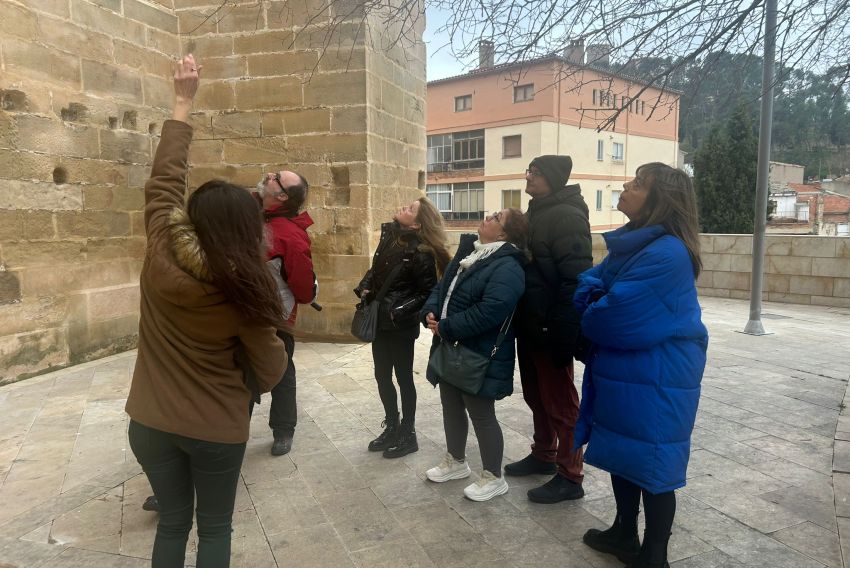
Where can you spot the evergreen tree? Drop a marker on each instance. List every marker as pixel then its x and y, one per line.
pixel 725 175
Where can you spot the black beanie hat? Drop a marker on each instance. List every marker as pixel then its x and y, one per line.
pixel 556 169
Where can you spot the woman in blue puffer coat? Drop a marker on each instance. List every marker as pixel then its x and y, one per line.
pixel 643 372
pixel 470 305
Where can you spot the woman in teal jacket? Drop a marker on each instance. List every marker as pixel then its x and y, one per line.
pixel 643 372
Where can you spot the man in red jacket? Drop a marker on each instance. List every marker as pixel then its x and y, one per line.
pixel 283 195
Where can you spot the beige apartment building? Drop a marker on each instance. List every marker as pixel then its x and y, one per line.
pixel 485 126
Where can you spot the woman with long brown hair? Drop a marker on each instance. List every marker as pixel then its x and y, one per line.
pixel 643 372
pixel 206 295
pixel 410 256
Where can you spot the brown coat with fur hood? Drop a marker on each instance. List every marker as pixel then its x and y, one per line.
pixel 186 380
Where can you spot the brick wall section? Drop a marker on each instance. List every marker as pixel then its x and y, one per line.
pixel 84 90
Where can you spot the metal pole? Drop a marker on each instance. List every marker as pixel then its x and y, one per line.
pixel 754 326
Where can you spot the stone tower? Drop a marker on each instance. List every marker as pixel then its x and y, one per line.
pixel 309 85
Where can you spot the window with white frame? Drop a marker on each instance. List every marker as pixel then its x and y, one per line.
pixel 600 150
pixel 802 211
pixel 615 197
pixel 511 198
pixel 524 93
pixel 599 200
pixel 512 146
pixel 618 152
pixel 463 102
pixel 439 152
pixel 468 200
pixel 456 151
pixel 440 195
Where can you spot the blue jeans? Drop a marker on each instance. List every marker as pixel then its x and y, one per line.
pixel 178 468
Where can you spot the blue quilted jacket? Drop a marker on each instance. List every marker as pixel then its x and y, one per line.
pixel 642 382
pixel 483 298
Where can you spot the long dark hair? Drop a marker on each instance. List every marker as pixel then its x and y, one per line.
pixel 671 202
pixel 230 229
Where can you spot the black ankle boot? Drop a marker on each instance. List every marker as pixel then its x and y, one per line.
pixel 387 438
pixel 619 540
pixel 405 443
pixel 653 554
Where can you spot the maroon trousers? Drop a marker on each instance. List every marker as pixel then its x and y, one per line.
pixel 551 394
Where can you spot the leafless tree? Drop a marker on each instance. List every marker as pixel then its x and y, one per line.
pixel 812 34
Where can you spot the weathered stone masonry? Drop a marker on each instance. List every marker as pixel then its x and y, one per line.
pixel 85 87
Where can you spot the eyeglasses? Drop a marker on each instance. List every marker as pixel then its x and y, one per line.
pixel 283 190
pixel 533 173
pixel 497 217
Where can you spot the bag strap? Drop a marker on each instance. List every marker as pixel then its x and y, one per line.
pixel 408 251
pixel 503 332
pixel 388 282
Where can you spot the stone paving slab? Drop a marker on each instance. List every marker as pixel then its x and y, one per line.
pixel 768 483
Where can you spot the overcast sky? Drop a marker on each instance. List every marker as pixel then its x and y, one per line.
pixel 441 64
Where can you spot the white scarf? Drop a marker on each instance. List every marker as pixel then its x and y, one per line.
pixel 481 252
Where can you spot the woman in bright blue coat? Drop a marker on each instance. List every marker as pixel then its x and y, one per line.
pixel 645 364
pixel 471 304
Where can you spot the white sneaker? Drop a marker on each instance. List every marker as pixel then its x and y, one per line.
pixel 448 469
pixel 487 487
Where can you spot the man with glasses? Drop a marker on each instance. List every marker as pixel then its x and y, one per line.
pixel 548 326
pixel 283 195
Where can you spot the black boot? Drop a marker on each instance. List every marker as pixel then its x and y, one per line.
pixel 388 436
pixel 620 540
pixel 653 554
pixel 405 443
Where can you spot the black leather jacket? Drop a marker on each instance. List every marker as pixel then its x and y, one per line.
pixel 411 287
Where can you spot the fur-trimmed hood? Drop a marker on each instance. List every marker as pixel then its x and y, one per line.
pixel 186 247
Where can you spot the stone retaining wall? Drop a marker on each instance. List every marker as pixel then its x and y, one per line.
pixel 803 269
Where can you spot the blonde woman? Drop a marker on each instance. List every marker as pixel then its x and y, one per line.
pixel 415 242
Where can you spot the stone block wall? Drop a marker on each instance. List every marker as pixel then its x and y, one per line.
pixel 84 90
pixel 302 86
pixel 804 269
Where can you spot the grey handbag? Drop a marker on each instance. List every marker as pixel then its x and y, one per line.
pixel 462 367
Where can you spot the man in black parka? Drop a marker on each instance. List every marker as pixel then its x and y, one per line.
pixel 549 326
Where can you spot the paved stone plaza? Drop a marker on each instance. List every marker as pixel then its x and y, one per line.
pixel 769 473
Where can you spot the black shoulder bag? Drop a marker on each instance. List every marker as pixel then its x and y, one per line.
pixel 365 322
pixel 462 367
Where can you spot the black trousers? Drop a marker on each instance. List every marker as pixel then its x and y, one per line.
pixel 283 414
pixel 482 411
pixel 659 509
pixel 178 468
pixel 394 350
